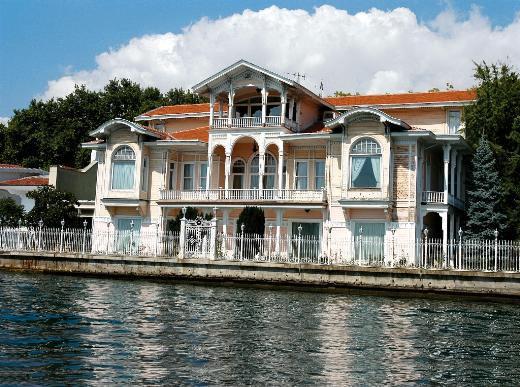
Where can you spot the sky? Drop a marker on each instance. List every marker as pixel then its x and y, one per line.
pixel 365 46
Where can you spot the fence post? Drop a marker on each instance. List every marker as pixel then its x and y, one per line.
pixel 182 234
pixel 213 236
pixel 300 228
pixel 270 242
pixel 425 263
pixel 496 249
pixel 108 236
pixel 393 246
pixel 459 263
pixel 61 234
pixel 156 238
pixel 131 237
pixel 242 227
pixel 84 236
pixel 360 245
pixel 40 226
pixel 18 243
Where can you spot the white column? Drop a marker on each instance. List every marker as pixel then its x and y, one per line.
pixel 452 225
pixel 264 105
pixel 211 107
pixel 230 104
pixel 298 108
pixel 446 149
pixel 280 170
pixel 283 100
pixel 227 172
pixel 208 171
pixel 444 218
pixel 261 170
pixel 279 218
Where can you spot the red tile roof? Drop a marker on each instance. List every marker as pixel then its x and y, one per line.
pixel 10 166
pixel 182 109
pixel 404 98
pixel 27 181
pixel 201 134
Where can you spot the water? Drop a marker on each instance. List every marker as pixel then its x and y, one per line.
pixel 72 330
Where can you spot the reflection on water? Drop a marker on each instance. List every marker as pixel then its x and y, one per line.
pixel 72 330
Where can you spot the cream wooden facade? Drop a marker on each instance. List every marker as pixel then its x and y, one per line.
pixel 272 129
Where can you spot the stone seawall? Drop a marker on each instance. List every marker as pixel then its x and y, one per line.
pixel 338 276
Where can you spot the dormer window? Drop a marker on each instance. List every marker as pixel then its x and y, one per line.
pixel 454 121
pixel 123 168
pixel 365 164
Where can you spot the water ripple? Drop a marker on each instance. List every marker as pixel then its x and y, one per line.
pixel 72 330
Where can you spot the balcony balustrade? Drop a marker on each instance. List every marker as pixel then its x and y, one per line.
pixel 437 197
pixel 253 122
pixel 432 197
pixel 245 195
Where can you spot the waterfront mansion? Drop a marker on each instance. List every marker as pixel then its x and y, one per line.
pixel 376 165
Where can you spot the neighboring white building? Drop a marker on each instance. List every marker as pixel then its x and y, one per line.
pixel 352 164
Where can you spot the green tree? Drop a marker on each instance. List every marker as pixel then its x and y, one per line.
pixel 10 212
pixel 496 115
pixel 50 132
pixel 52 206
pixel 484 195
pixel 253 219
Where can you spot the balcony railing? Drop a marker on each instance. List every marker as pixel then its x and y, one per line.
pixel 432 197
pixel 253 122
pixel 245 195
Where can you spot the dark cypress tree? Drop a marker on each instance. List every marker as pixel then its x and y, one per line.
pixel 484 195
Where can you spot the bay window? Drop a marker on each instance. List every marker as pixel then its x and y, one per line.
pixel 365 164
pixel 123 168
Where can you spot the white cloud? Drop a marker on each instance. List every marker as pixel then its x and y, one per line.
pixel 373 51
pixel 4 120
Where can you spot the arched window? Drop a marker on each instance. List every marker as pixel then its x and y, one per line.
pixel 123 168
pixel 269 172
pixel 238 171
pixel 365 164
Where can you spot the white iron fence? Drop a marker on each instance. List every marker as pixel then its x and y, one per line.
pixel 205 243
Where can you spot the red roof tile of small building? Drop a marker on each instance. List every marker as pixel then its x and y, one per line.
pixel 27 181
pixel 404 98
pixel 10 166
pixel 181 109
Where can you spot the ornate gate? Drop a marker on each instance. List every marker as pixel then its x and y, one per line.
pixel 198 238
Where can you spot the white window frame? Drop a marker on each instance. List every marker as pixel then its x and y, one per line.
pixel 203 176
pixel 172 175
pixel 456 130
pixel 352 155
pixel 192 177
pixel 112 162
pixel 243 174
pixel 316 175
pixel 295 173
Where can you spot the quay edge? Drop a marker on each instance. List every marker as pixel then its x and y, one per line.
pixel 471 283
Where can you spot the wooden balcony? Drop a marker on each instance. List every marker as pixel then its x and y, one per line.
pixel 252 122
pixel 247 196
